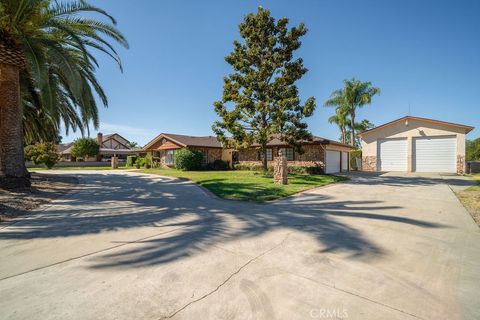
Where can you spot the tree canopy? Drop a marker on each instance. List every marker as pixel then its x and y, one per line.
pixel 473 150
pixel 260 98
pixel 85 147
pixel 355 94
pixel 58 85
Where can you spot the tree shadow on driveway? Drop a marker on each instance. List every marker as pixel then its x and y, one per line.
pixel 195 221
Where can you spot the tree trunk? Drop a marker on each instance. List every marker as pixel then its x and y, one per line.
pixel 352 123
pixel 13 173
pixel 264 159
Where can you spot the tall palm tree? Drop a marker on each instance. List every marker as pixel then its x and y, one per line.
pixel 355 94
pixel 341 120
pixel 47 74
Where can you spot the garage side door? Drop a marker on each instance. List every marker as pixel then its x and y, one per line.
pixel 435 154
pixel 333 162
pixel 393 154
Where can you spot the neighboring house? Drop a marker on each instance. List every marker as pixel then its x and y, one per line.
pixel 412 144
pixel 110 145
pixel 164 146
pixel 330 156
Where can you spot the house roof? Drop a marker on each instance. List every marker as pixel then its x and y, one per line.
pixel 212 142
pixel 187 141
pixel 276 141
pixel 467 128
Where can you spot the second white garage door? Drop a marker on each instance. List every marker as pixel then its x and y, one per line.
pixel 333 161
pixel 435 154
pixel 393 154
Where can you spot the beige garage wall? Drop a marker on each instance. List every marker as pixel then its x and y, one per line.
pixel 414 128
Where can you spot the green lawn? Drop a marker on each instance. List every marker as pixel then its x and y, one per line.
pixel 78 168
pixel 471 198
pixel 248 185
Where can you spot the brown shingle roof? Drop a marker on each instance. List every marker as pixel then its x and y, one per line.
pixel 276 141
pixel 188 141
pixel 212 142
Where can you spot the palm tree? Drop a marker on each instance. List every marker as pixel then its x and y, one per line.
pixel 355 94
pixel 47 74
pixel 340 119
pixel 359 127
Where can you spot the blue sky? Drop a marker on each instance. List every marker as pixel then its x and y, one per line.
pixel 424 55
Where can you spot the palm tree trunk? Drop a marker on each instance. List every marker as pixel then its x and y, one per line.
pixel 13 173
pixel 352 124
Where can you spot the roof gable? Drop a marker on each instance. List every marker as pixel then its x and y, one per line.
pixel 466 128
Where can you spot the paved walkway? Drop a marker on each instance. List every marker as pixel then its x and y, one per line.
pixel 131 246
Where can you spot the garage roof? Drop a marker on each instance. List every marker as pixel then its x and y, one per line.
pixel 467 128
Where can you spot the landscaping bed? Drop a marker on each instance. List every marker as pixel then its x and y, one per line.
pixel 471 199
pixel 44 189
pixel 248 185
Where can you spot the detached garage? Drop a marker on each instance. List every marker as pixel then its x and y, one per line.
pixel 412 144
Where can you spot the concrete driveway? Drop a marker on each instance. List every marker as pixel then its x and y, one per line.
pixel 131 246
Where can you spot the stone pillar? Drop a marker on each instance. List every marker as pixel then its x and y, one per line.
pixel 280 169
pixel 114 162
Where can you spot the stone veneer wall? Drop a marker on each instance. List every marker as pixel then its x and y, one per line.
pixel 369 163
pixel 313 156
pixel 460 164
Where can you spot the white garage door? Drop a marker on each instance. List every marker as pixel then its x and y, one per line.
pixel 393 154
pixel 333 161
pixel 344 161
pixel 435 154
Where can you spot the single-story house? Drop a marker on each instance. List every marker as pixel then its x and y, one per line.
pixel 330 156
pixel 413 144
pixel 110 145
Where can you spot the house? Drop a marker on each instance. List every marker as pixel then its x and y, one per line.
pixel 328 155
pixel 110 145
pixel 164 146
pixel 413 144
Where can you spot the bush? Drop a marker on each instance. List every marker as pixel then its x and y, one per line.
pixel 473 150
pixel 45 153
pixel 130 161
pixel 218 165
pixel 186 159
pixel 304 170
pixel 140 161
pixel 251 167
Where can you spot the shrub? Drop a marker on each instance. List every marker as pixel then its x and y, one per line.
pixel 45 153
pixel 130 161
pixel 85 147
pixel 304 170
pixel 140 161
pixel 218 165
pixel 186 159
pixel 473 150
pixel 251 167
pixel 31 153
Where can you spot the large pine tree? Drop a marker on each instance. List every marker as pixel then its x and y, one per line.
pixel 260 99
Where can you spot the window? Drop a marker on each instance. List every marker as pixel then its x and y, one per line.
pixel 288 152
pixel 169 157
pixel 269 155
pixel 205 156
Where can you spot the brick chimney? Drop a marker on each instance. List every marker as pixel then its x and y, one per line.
pixel 100 138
